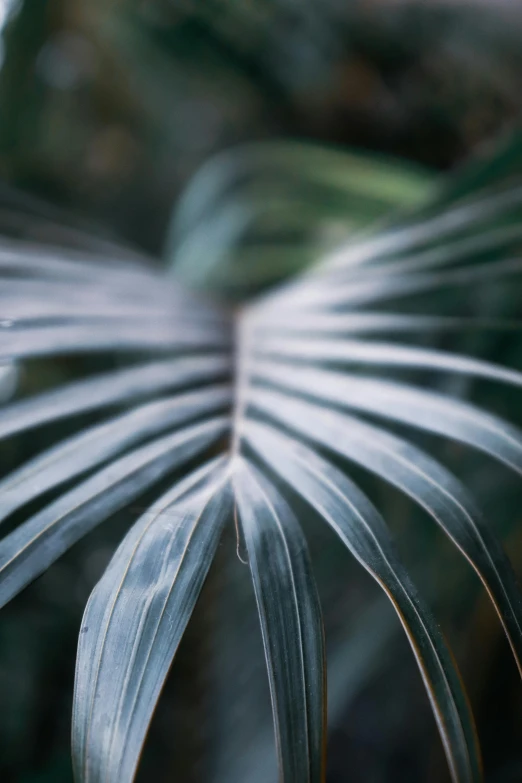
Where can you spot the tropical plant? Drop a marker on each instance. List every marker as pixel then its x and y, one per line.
pixel 258 403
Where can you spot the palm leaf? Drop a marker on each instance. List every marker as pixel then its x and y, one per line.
pixel 350 352
pixel 90 448
pixel 214 371
pixel 430 411
pixel 364 532
pixel 421 478
pixel 34 545
pixel 113 388
pixel 157 573
pixel 291 624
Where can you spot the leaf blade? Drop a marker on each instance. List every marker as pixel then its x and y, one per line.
pixel 35 544
pixel 118 386
pixel 425 481
pixel 291 625
pixel 95 338
pixel 81 452
pixel 142 604
pixel 304 350
pixel 357 523
pixel 430 411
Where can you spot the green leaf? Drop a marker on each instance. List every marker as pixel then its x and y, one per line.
pixel 255 214
pixel 344 172
pixel 461 232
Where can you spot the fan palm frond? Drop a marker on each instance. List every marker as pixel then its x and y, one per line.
pixel 259 398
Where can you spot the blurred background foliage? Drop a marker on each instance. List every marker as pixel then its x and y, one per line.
pixel 110 113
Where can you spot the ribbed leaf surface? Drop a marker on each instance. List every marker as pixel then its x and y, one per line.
pixel 134 622
pixel 424 480
pixel 364 532
pixel 291 625
pixel 225 369
pixel 34 545
pixel 384 354
pixel 92 447
pixel 112 388
pixel 426 410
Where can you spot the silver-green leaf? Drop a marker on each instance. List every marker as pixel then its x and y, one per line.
pixel 134 621
pixel 291 624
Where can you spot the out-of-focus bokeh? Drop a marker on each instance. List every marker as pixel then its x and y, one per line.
pixel 108 108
